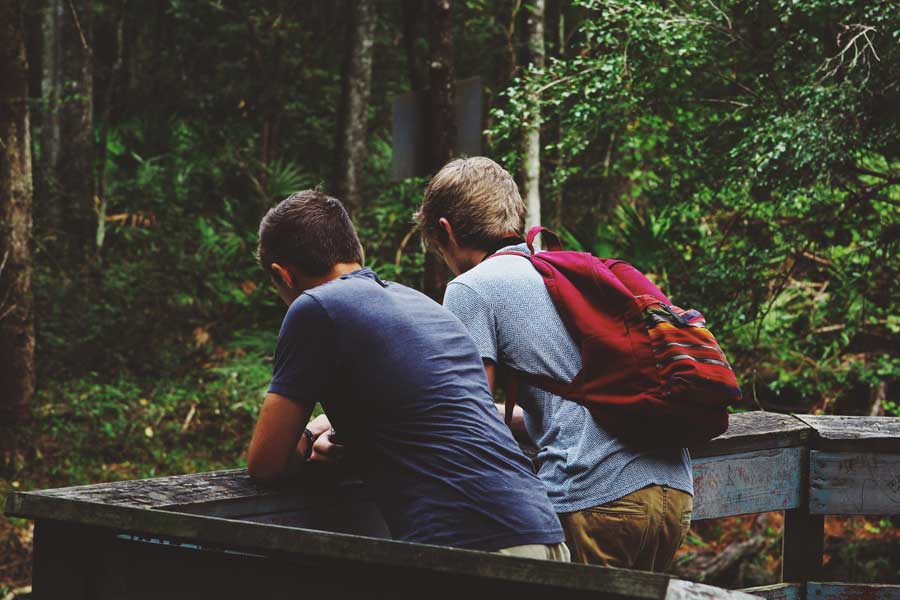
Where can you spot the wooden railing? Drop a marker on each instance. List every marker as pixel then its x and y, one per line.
pixel 101 538
pixel 808 466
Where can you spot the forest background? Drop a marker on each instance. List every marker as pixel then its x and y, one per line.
pixel 745 153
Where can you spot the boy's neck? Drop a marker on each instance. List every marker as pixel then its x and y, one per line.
pixel 336 271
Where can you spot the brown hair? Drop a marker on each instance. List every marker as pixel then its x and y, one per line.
pixel 310 231
pixel 480 200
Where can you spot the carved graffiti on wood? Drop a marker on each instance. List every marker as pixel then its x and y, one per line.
pixel 854 483
pixel 749 482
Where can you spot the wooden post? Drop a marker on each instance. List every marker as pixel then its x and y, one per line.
pixel 803 543
pixel 63 555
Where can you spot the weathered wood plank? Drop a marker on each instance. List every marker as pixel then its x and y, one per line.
pixel 167 491
pixel 778 591
pixel 61 561
pixel 802 545
pixel 305 545
pixel 757 430
pixel 854 434
pixel 749 482
pixel 845 483
pixel 138 568
pixel 689 590
pixel 224 493
pixel 214 490
pixel 851 591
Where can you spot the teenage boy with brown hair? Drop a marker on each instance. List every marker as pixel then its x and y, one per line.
pixel 619 506
pixel 403 384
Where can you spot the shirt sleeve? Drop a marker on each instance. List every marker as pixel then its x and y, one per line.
pixel 305 355
pixel 476 314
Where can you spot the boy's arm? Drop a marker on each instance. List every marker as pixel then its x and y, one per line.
pixel 303 369
pixel 278 446
pixel 518 419
pixel 476 314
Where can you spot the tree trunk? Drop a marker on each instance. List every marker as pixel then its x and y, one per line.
pixel 68 133
pixel 356 81
pixel 16 318
pixel 531 150
pixel 556 37
pixel 48 208
pixel 411 11
pixel 105 119
pixel 441 119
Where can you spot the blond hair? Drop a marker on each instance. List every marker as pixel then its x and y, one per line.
pixel 480 200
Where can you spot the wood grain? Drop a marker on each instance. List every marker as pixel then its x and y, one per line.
pixel 757 430
pixel 857 483
pixel 778 591
pixel 750 482
pixel 851 591
pixel 688 590
pixel 854 434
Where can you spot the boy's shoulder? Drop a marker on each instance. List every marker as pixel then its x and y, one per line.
pixel 500 274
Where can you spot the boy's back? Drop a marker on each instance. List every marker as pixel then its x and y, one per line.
pixel 404 387
pixel 506 307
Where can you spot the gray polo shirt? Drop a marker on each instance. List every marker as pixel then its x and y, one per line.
pixel 505 306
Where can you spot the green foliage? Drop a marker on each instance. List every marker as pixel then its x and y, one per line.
pixel 387 232
pixel 98 428
pixel 746 156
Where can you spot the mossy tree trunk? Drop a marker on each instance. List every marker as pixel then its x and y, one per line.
pixel 67 136
pixel 441 119
pixel 356 80
pixel 17 373
pixel 531 143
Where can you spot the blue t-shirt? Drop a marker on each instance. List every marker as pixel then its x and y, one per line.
pixel 403 384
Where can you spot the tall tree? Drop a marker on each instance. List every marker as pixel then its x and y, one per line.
pixel 410 11
pixel 67 161
pixel 441 119
pixel 555 18
pixel 16 318
pixel 356 79
pixel 105 122
pixel 531 143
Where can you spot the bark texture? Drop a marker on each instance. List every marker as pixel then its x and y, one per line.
pixel 67 137
pixel 441 118
pixel 441 76
pixel 531 150
pixel 356 86
pixel 16 316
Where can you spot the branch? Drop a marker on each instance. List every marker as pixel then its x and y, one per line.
pixel 722 101
pixel 889 177
pixel 546 87
pixel 707 569
pixel 18 592
pixel 80 31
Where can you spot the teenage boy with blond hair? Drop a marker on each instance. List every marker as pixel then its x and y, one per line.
pixel 402 382
pixel 619 506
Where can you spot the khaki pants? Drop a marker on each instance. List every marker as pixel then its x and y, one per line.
pixel 639 531
pixel 542 551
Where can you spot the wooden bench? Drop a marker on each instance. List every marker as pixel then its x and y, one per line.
pixel 221 534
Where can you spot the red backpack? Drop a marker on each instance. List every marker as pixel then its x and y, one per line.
pixel 652 373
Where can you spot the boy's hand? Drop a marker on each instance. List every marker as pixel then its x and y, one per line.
pixel 324 450
pixel 319 425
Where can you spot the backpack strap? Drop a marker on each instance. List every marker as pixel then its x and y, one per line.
pixel 511 389
pixel 552 240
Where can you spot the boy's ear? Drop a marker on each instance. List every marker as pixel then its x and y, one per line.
pixel 448 228
pixel 282 276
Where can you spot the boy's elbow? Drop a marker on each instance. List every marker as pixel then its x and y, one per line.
pixel 263 471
